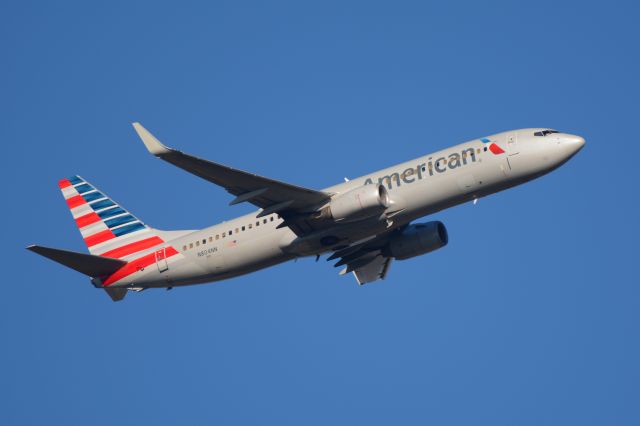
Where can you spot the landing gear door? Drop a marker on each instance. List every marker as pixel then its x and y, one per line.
pixel 161 260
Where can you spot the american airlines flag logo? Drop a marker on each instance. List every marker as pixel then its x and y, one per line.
pixel 493 147
pixel 109 230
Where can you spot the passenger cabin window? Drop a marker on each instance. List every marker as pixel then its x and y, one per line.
pixel 545 132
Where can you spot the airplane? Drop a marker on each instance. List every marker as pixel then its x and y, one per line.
pixel 364 223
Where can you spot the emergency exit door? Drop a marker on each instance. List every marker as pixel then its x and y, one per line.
pixel 161 260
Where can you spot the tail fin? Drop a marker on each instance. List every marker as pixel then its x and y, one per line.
pixel 107 228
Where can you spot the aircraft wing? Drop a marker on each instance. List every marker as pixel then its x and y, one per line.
pixel 271 195
pixel 375 270
pixel 367 260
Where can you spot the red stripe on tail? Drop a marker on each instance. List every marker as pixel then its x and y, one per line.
pixel 76 201
pixel 87 219
pixel 136 265
pixel 63 183
pixel 99 237
pixel 133 247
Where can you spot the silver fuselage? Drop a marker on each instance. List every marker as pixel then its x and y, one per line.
pixel 417 188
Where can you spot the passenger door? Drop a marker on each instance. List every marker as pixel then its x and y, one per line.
pixel 512 149
pixel 512 144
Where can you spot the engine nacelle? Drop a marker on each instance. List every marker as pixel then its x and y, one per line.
pixel 416 240
pixel 359 203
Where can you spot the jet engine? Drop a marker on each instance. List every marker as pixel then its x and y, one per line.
pixel 416 240
pixel 359 203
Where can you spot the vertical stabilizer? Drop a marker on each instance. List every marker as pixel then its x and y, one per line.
pixel 107 228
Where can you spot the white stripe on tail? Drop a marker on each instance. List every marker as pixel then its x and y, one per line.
pixel 106 227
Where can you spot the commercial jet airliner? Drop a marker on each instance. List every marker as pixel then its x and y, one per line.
pixel 364 223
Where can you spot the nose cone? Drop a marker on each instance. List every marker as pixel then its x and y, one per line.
pixel 573 143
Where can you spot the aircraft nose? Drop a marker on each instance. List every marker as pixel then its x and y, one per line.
pixel 573 143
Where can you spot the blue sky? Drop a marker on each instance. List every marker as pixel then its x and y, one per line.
pixel 528 317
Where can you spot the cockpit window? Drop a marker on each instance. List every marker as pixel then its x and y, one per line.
pixel 545 132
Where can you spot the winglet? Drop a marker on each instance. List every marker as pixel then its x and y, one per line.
pixel 153 145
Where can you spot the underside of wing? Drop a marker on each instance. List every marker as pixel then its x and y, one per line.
pixel 367 260
pixel 271 195
pixel 373 271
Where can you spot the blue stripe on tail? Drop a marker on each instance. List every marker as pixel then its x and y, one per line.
pixel 111 212
pixel 127 229
pixel 75 180
pixel 92 196
pixel 84 188
pixel 119 220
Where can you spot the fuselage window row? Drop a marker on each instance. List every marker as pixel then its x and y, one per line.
pixel 230 232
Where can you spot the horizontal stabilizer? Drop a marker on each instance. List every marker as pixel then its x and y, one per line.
pixel 88 264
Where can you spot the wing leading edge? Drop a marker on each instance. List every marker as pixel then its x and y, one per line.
pixel 271 195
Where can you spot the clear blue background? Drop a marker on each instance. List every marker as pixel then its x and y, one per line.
pixel 529 316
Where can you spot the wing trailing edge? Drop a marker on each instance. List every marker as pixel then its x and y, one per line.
pixel 269 194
